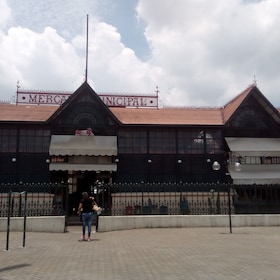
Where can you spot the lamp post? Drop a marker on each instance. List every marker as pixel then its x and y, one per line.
pixel 14 161
pixel 237 168
pixel 216 167
pixel 149 170
pixel 178 179
pixel 115 175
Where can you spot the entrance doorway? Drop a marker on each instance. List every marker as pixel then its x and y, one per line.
pixel 92 182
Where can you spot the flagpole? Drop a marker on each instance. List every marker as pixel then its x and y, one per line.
pixel 86 72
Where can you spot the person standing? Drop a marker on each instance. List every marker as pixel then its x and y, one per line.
pixel 86 210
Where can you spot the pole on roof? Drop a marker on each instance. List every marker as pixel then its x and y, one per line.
pixel 86 73
pixel 18 86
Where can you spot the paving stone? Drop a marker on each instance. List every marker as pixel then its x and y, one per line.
pixel 165 253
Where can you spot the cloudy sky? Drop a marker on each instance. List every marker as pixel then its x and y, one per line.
pixel 198 52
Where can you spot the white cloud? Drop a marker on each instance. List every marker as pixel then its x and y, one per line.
pixel 203 53
pixel 39 60
pixel 212 48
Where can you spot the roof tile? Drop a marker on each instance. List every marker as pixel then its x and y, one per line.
pixel 12 112
pixel 169 116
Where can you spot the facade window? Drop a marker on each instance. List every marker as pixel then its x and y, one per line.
pixel 162 141
pixel 190 142
pixel 132 141
pixel 270 160
pixel 34 140
pixel 199 141
pixel 8 140
pixel 253 160
pixel 214 142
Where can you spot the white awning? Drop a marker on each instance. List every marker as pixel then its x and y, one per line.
pixel 254 146
pixel 256 174
pixel 82 167
pixel 83 145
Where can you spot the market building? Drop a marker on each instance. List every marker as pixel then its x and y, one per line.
pixel 85 138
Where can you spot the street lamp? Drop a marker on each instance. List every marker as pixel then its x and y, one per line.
pixel 14 162
pixel 149 170
pixel 237 166
pixel 178 171
pixel 216 166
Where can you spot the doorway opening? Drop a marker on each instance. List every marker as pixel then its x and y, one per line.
pixel 94 183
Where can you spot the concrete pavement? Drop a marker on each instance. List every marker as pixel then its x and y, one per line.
pixel 165 253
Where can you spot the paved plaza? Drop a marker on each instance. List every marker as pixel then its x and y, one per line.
pixel 164 253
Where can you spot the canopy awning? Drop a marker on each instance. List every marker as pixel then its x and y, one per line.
pixel 254 146
pixel 82 167
pixel 256 174
pixel 77 145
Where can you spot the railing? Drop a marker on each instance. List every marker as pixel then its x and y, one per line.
pixel 42 200
pixel 195 199
pixel 257 199
pixel 146 199
pixel 170 199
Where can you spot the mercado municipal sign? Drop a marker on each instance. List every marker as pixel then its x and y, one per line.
pixel 111 100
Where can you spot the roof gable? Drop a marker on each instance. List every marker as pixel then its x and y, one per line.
pixel 252 110
pixel 83 109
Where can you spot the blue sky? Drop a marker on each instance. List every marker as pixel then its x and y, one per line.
pixel 198 52
pixel 123 15
pixel 34 14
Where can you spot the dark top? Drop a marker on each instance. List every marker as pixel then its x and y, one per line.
pixel 87 205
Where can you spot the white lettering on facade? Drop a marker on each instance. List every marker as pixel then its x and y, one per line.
pixel 31 98
pixel 126 101
pixel 109 100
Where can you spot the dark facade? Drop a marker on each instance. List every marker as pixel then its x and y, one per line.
pixel 182 151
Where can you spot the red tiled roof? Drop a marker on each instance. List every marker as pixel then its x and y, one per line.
pixel 179 116
pixel 138 116
pixel 169 116
pixel 12 112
